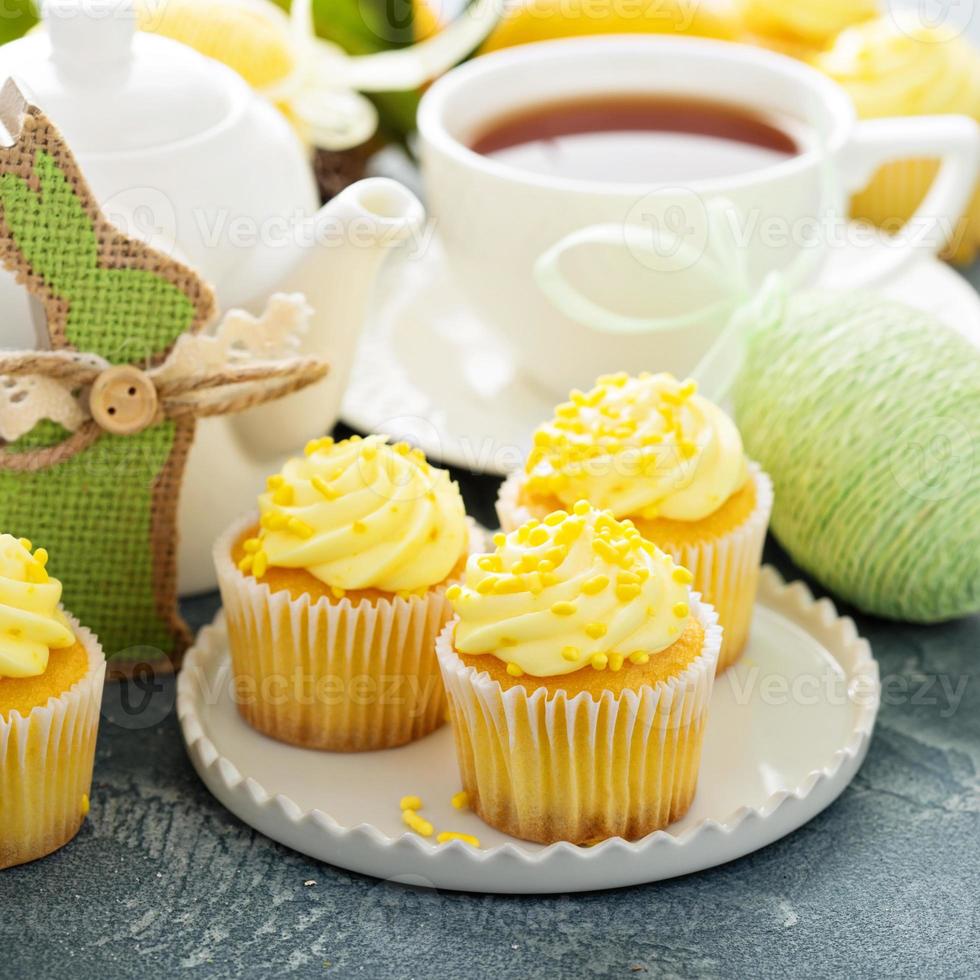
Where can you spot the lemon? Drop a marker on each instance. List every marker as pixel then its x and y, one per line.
pixel 542 20
pixel 251 36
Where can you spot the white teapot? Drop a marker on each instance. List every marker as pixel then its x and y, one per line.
pixel 181 152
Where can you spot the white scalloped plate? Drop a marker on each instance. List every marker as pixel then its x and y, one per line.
pixel 788 729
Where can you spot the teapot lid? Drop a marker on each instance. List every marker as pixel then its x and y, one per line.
pixel 113 89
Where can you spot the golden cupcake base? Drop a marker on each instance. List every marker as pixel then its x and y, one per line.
pixel 543 764
pixel 353 674
pixel 46 759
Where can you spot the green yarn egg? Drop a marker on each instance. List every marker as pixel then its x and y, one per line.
pixel 866 414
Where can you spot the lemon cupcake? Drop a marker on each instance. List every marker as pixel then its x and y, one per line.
pixel 896 66
pixel 802 28
pixel 335 594
pixel 579 670
pixel 650 449
pixel 51 676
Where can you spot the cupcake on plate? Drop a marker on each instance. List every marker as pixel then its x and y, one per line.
pixel 334 595
pixel 579 668
pixel 897 66
pixel 51 676
pixel 650 449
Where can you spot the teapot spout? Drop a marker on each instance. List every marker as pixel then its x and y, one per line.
pixel 342 249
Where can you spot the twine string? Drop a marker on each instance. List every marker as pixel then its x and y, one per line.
pixel 223 392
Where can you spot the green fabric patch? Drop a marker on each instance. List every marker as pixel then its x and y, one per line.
pixel 93 514
pixel 126 315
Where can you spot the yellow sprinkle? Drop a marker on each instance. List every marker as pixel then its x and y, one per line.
pixel 595 630
pixel 545 565
pixel 499 539
pixel 563 608
pixel 490 563
pixel 605 551
pixel 315 445
pixel 26 543
pixel 509 585
pixel 687 448
pixel 689 388
pixel 323 488
pixel 35 573
pixel 681 610
pixel 245 565
pixel 337 592
pixel 358 527
pixel 41 557
pixel 566 410
pixel 556 555
pixel 275 520
pixel 410 803
pixel 402 448
pixel 615 661
pixel 514 670
pixel 682 576
pixel 86 806
pixel 370 451
pixel 595 585
pixel 417 823
pixel 284 496
pixel 300 528
pixel 260 564
pixel 507 641
pixel 640 657
pixel 555 518
pixel 548 579
pixel 485 585
pixel 461 800
pixel 453 593
pixel 599 661
pixel 571 654
pixel 569 531
pixel 627 592
pixel 447 835
pixel 275 481
pixel 251 545
pixel 537 537
pixel 582 507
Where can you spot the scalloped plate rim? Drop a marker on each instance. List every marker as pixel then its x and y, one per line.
pixel 806 610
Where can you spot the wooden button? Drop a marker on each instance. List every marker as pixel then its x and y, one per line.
pixel 123 400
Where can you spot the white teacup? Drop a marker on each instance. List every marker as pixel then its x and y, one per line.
pixel 588 276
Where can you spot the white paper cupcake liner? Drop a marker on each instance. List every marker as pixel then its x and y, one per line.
pixel 334 675
pixel 545 767
pixel 46 764
pixel 725 569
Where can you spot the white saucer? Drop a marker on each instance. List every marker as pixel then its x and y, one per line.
pixel 429 371
pixel 788 729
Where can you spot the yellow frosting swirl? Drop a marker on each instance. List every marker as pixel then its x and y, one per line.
pixel 814 22
pixel 895 66
pixel 646 447
pixel 31 624
pixel 361 514
pixel 576 590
